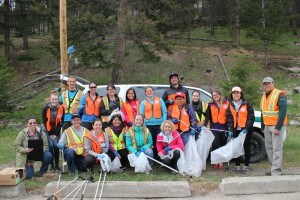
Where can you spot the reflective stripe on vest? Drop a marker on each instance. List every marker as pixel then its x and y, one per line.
pixel 74 141
pixel 240 117
pixel 218 115
pixel 182 115
pixel 153 109
pixel 92 106
pixel 117 142
pixel 106 104
pixel 204 107
pixel 59 114
pixel 129 109
pixel 270 109
pixel 172 97
pixel 75 101
pixel 132 136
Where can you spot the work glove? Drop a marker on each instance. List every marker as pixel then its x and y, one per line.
pixel 167 149
pixel 130 124
pixel 171 102
pixel 175 121
pixel 229 134
pixel 117 153
pixel 143 149
pixel 71 50
pixel 100 156
pixel 60 145
pixel 244 131
pixel 199 128
pixel 138 153
pixel 103 145
pixel 193 132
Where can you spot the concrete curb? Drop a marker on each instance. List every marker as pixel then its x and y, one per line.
pixel 126 189
pixel 260 185
pixel 12 191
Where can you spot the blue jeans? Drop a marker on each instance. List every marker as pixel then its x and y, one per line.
pixel 149 152
pixel 53 148
pixel 185 137
pixel 74 161
pixel 45 163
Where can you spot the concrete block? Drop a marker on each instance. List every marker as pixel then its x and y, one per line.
pixel 126 189
pixel 12 191
pixel 260 185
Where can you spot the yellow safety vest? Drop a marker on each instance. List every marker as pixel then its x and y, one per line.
pixel 74 142
pixel 204 107
pixel 74 103
pixel 106 104
pixel 118 143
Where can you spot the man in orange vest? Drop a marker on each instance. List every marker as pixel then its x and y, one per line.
pixel 274 118
pixel 72 144
pixel 183 117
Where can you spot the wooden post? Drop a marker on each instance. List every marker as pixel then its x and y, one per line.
pixel 63 36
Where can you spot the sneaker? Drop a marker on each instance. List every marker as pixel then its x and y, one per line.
pixel 220 166
pixel 38 174
pixel 56 168
pixel 245 170
pixel 237 169
pixel 123 168
pixel 52 169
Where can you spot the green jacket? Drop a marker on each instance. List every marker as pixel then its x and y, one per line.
pixel 139 139
pixel 21 143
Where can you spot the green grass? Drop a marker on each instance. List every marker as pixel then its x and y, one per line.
pixel 7 138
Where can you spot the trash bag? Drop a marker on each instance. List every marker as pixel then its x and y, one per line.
pixel 193 162
pixel 141 163
pixel 204 143
pixel 232 149
pixel 181 162
pixel 116 165
pixel 106 163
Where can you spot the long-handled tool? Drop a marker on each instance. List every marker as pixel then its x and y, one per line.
pixel 54 195
pixel 77 187
pixel 174 170
pixel 103 171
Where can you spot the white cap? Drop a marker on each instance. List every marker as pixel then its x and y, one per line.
pixel 268 80
pixel 236 88
pixel 116 113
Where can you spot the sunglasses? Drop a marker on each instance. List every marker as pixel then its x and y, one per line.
pixel 32 123
pixel 93 87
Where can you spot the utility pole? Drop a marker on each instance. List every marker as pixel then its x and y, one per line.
pixel 63 36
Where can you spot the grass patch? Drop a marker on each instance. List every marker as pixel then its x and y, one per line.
pixel 7 137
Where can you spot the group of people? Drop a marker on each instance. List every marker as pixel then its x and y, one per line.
pixel 88 127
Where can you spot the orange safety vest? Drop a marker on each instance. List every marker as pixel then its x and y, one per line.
pixel 74 141
pixel 95 145
pixel 132 136
pixel 92 106
pixel 270 109
pixel 239 117
pixel 153 109
pixel 59 114
pixel 117 142
pixel 75 101
pixel 129 109
pixel 218 115
pixel 182 115
pixel 172 97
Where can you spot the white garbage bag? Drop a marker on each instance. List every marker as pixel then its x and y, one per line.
pixel 204 142
pixel 116 165
pixel 193 162
pixel 141 163
pixel 106 163
pixel 232 149
pixel 180 162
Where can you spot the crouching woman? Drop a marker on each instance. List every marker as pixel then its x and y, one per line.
pixel 139 139
pixel 96 144
pixel 169 144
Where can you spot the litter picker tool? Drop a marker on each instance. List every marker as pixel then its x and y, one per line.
pixel 53 196
pixel 103 171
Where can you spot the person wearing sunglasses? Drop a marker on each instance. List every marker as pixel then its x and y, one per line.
pixel 89 107
pixel 31 132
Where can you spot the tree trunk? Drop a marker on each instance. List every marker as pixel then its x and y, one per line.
pixel 266 43
pixel 6 30
pixel 236 23
pixel 294 20
pixel 25 39
pixel 212 18
pixel 117 72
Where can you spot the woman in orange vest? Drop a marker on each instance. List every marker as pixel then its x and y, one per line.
pixel 130 107
pixel 240 119
pixel 95 144
pixel 53 118
pixel 89 107
pixel 216 115
pixel 116 132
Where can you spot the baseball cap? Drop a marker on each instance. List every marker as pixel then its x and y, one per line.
pixel 75 115
pixel 268 80
pixel 179 94
pixel 236 88
pixel 173 74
